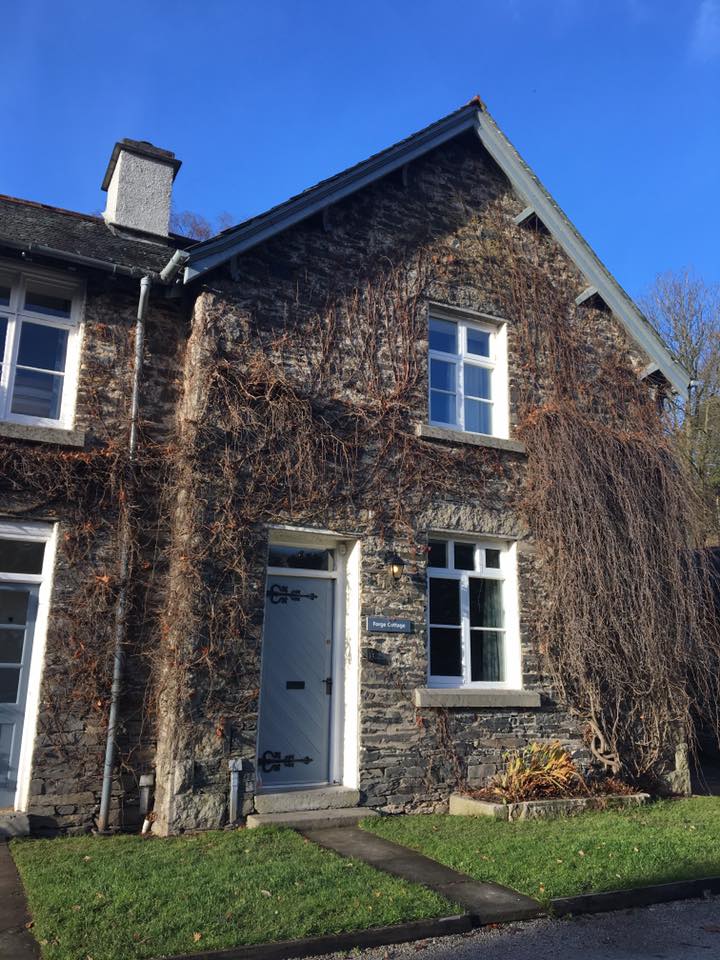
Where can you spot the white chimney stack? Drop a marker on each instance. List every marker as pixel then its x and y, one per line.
pixel 138 182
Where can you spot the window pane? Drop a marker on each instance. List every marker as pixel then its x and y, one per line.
pixel 492 559
pixel 464 556
pixel 11 645
pixel 4 296
pixel 3 336
pixel 49 305
pixel 443 335
pixel 477 381
pixel 442 375
pixel 37 394
pixel 444 600
pixel 445 657
pixel 478 416
pixel 42 347
pixel 486 608
pixel 9 681
pixel 442 407
pixel 486 656
pixel 13 607
pixel 478 342
pixel 20 556
pixel 300 558
pixel 437 553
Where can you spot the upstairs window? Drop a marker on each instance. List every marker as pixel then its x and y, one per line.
pixel 472 614
pixel 467 375
pixel 39 336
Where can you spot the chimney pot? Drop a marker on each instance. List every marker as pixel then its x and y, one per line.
pixel 138 182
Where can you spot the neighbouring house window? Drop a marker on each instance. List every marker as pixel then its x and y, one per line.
pixel 19 561
pixel 472 613
pixel 39 340
pixel 25 573
pixel 468 376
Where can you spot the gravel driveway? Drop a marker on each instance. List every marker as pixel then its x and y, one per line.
pixel 686 930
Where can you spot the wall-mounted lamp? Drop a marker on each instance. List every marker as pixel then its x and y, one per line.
pixel 395 566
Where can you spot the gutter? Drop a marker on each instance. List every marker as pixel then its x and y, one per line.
pixel 93 262
pixel 120 627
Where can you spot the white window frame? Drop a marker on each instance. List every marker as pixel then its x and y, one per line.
pixel 496 363
pixel 507 575
pixel 54 285
pixel 43 533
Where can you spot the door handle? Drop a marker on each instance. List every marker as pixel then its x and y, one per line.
pixel 328 685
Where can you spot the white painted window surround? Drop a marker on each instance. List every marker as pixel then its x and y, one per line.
pixel 473 618
pixel 30 533
pixel 467 372
pixel 40 335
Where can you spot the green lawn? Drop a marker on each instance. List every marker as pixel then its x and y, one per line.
pixel 669 840
pixel 125 898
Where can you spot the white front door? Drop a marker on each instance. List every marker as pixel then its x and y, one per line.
pixel 18 610
pixel 297 681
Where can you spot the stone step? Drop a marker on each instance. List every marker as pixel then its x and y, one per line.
pixel 312 819
pixel 321 798
pixel 14 825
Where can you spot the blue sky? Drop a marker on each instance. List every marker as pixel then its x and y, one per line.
pixel 614 103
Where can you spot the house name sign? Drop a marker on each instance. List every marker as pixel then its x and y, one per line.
pixel 379 624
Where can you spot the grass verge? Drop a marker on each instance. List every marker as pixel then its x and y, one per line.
pixel 665 841
pixel 125 898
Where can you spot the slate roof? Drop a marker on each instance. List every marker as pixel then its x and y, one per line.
pixel 330 182
pixel 24 224
pixel 208 253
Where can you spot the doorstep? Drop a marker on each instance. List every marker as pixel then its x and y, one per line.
pixel 312 819
pixel 319 798
pixel 13 824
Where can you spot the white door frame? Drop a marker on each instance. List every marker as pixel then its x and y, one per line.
pixel 342 760
pixel 47 533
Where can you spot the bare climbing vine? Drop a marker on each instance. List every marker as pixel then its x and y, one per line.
pixel 628 625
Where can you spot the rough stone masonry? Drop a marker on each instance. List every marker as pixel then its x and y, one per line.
pixel 268 337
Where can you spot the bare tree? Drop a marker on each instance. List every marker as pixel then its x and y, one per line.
pixel 196 226
pixel 686 311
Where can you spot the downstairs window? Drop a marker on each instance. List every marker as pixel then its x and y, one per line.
pixel 472 614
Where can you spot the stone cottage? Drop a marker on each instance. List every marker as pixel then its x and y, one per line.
pixel 261 545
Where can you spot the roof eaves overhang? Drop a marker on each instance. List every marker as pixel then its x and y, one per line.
pixel 211 253
pixel 531 190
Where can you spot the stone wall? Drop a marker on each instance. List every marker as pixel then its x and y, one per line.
pixel 72 721
pixel 268 304
pixel 275 306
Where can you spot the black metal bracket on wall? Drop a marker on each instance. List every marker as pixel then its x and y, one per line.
pixel 376 656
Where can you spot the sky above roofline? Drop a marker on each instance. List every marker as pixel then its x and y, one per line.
pixel 615 104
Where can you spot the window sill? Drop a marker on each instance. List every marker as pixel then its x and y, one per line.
pixel 474 697
pixel 428 432
pixel 28 431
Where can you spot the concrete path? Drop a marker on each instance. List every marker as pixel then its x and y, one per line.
pixel 488 902
pixel 687 930
pixel 16 941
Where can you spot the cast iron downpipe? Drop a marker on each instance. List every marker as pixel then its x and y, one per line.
pixel 124 567
pixel 167 275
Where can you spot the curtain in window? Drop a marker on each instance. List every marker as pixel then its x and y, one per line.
pixel 486 645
